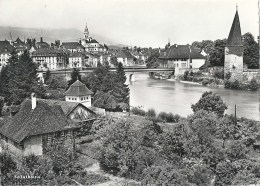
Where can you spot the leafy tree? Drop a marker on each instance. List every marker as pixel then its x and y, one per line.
pixel 23 79
pixel 151 113
pixel 210 102
pixel 237 151
pixel 253 84
pixel 251 51
pixel 47 76
pixel 152 61
pixel 1 105
pixel 206 45
pixel 113 61
pixel 7 164
pixel 217 54
pixel 74 76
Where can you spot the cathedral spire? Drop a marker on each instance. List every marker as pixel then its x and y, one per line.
pixel 235 37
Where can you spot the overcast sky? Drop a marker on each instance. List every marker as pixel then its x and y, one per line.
pixel 135 22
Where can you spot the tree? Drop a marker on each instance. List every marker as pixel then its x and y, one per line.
pixel 206 45
pixel 47 76
pixel 1 105
pixel 74 76
pixel 210 102
pixel 253 84
pixel 22 79
pixel 113 61
pixel 217 54
pixel 251 51
pixel 7 164
pixel 151 62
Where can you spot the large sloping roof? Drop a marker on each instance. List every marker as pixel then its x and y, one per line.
pixel 181 52
pixel 235 38
pixel 72 45
pixel 45 118
pixel 78 89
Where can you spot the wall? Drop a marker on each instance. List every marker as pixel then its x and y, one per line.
pixel 85 100
pixel 80 111
pixel 197 63
pixel 10 146
pixel 33 145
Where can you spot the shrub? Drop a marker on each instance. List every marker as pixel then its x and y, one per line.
pixel 237 151
pixel 227 84
pixel 219 74
pixel 151 113
pixel 253 85
pixel 185 76
pixel 205 82
pixel 7 164
pixel 138 111
pixel 228 75
pixel 235 85
pixel 162 116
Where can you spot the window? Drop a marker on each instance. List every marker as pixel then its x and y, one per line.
pixel 87 98
pixel 69 98
pixel 81 99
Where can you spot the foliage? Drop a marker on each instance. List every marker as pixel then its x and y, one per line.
pixel 20 79
pixel 237 151
pixel 210 102
pixel 7 164
pixel 219 74
pixel 138 111
pixel 47 75
pixel 206 45
pixel 228 75
pixel 217 55
pixel 205 82
pixel 113 61
pixel 251 51
pixel 1 105
pixel 152 61
pixel 185 76
pixel 86 178
pixel 151 113
pixel 253 84
pixel 74 77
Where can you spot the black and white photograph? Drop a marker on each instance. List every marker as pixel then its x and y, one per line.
pixel 129 93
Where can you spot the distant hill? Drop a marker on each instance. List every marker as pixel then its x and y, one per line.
pixel 49 35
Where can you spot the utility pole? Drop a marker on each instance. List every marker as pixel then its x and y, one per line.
pixel 235 114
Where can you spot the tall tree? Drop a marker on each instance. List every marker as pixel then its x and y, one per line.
pixel 251 51
pixel 151 62
pixel 217 54
pixel 23 79
pixel 74 77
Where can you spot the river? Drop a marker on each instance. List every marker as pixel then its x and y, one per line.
pixel 176 97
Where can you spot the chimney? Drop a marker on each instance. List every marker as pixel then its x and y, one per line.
pixel 33 98
pixel 41 40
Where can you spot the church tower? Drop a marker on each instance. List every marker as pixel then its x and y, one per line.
pixel 86 32
pixel 234 51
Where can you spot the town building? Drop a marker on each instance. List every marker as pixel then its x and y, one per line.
pixel 20 46
pixel 42 44
pixel 125 57
pixel 52 59
pixel 79 93
pixel 5 52
pixel 78 60
pixel 182 58
pixel 90 44
pixel 72 47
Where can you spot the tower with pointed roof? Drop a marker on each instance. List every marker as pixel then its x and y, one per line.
pixel 79 93
pixel 86 32
pixel 234 51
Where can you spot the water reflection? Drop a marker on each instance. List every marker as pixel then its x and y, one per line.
pixel 177 97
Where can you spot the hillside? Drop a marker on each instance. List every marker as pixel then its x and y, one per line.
pixel 49 35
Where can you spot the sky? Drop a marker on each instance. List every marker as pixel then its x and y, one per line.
pixel 142 23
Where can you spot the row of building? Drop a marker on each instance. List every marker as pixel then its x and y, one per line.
pixel 86 52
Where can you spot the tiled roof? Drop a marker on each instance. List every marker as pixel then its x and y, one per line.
pixel 72 45
pixel 67 107
pixel 91 41
pixel 235 38
pixel 48 51
pixel 124 54
pixel 181 51
pixel 78 89
pixel 77 54
pixel 6 47
pixel 45 118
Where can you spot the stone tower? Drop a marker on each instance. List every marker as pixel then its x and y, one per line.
pixel 234 51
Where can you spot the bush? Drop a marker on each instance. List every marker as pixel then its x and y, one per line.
pixel 7 164
pixel 228 75
pixel 138 111
pixel 151 113
pixel 219 74
pixel 252 86
pixel 205 82
pixel 235 85
pixel 162 116
pixel 227 84
pixel 185 76
pixel 90 178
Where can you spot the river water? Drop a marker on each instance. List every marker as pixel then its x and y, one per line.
pixel 176 97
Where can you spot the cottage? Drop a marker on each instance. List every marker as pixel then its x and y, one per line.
pixel 38 125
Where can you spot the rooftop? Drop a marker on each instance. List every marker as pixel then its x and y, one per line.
pixel 78 89
pixel 235 38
